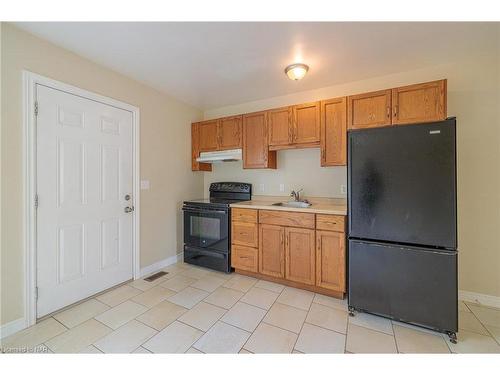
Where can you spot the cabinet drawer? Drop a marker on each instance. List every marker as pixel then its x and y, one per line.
pixel 244 214
pixel 285 218
pixel 334 223
pixel 245 234
pixel 245 258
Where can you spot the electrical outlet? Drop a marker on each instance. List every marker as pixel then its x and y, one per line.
pixel 343 189
pixel 282 187
pixel 145 185
pixel 262 188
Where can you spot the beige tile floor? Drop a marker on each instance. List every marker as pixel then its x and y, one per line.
pixel 195 310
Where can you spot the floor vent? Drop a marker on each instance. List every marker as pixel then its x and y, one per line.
pixel 156 275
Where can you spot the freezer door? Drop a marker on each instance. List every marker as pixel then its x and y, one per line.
pixel 414 285
pixel 402 184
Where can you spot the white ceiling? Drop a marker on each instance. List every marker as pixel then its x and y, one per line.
pixel 211 65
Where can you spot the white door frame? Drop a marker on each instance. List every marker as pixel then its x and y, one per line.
pixel 30 80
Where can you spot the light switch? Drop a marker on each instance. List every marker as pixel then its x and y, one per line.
pixel 145 185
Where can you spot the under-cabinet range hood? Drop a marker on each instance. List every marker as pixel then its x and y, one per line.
pixel 220 156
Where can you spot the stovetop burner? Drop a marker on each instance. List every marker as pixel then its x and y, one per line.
pixel 222 194
pixel 218 201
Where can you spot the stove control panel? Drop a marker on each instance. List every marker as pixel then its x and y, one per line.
pixel 231 187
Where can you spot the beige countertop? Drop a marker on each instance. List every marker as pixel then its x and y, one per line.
pixel 333 206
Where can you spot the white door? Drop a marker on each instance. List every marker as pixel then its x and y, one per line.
pixel 84 174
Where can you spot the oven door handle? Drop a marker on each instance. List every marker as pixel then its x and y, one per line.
pixel 204 211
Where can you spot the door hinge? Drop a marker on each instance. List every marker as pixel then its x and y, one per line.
pixel 36 293
pixel 36 200
pixel 36 108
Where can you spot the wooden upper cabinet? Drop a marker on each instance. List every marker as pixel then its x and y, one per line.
pixel 330 260
pixel 423 102
pixel 229 133
pixel 272 250
pixel 195 150
pixel 306 123
pixel 209 135
pixel 300 257
pixel 279 126
pixel 333 132
pixel 322 124
pixel 256 152
pixel 369 110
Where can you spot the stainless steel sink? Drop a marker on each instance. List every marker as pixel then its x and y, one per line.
pixel 293 204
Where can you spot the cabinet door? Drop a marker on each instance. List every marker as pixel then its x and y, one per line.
pixel 272 250
pixel 244 258
pixel 230 133
pixel 280 121
pixel 300 258
pixel 424 102
pixel 306 123
pixel 333 132
pixel 209 135
pixel 256 152
pixel 369 110
pixel 195 150
pixel 330 260
pixel 244 234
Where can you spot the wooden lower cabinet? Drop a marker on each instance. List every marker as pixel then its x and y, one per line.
pixel 245 258
pixel 330 260
pixel 272 250
pixel 300 257
pixel 244 214
pixel 334 223
pixel 244 234
pixel 299 249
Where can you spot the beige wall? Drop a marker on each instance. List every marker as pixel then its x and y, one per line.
pixel 297 169
pixel 474 86
pixel 473 97
pixel 165 153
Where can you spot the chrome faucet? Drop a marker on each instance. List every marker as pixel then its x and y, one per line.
pixel 296 195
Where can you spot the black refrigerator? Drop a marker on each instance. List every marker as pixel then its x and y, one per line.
pixel 403 224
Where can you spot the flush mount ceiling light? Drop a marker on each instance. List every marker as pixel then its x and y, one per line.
pixel 296 71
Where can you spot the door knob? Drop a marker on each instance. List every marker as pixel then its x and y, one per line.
pixel 129 209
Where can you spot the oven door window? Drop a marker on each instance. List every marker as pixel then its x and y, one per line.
pixel 205 228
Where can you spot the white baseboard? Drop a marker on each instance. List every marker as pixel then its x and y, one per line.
pixel 17 325
pixel 482 299
pixel 12 327
pixel 152 268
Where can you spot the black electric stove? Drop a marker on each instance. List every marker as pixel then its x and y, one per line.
pixel 207 234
